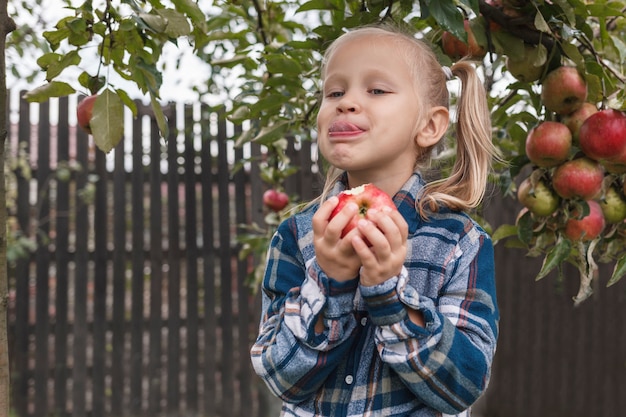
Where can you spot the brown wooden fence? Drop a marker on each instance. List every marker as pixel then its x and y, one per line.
pixel 134 303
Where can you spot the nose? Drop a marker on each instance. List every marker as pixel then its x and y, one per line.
pixel 347 105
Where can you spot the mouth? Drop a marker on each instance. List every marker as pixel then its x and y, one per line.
pixel 342 128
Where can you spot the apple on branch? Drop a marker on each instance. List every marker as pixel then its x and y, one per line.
pixel 548 144
pixel 366 197
pixel 575 120
pixel 84 111
pixel 455 48
pixel 588 227
pixel 602 136
pixel 579 178
pixel 563 90
pixel 613 206
pixel 538 198
pixel 275 200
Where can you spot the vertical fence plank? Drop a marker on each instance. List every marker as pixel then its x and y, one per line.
pixel 173 279
pixel 101 228
pixel 225 281
pixel 137 285
pixel 42 296
pixel 156 273
pixel 62 262
pixel 118 307
pixel 79 371
pixel 243 366
pixel 191 274
pixel 208 260
pixel 22 277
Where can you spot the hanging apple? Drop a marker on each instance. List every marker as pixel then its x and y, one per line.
pixel 588 227
pixel 579 178
pixel 548 144
pixel 563 90
pixel 84 111
pixel 275 200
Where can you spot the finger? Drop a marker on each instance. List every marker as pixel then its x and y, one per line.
pixel 321 217
pixel 372 234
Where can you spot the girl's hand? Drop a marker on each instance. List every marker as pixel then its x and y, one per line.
pixel 387 231
pixel 335 255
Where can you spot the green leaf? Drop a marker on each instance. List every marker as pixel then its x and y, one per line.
pixel 555 257
pixel 65 61
pixel 269 134
pixel 48 90
pixel 176 25
pixel 107 120
pixel 79 35
pixel 154 22
pixel 448 16
pixel 317 5
pixel 160 117
pixel 541 24
pixel 504 231
pixel 618 272
pixel 280 64
pixel 190 9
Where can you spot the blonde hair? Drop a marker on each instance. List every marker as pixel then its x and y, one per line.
pixel 465 187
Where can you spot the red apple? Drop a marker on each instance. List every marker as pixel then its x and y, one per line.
pixel 456 48
pixel 84 110
pixel 613 206
pixel 275 200
pixel 602 136
pixel 579 178
pixel 548 144
pixel 587 228
pixel 366 197
pixel 563 90
pixel 540 199
pixel 574 120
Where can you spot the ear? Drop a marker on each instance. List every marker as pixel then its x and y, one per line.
pixel 433 127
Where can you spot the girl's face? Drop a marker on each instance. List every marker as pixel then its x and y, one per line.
pixel 369 118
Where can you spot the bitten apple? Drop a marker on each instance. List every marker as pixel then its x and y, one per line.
pixel 602 135
pixel 588 227
pixel 275 200
pixel 564 90
pixel 366 197
pixel 579 178
pixel 84 111
pixel 540 199
pixel 548 144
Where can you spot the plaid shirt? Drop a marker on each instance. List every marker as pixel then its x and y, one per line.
pixel 371 360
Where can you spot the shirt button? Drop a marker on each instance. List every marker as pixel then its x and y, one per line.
pixel 363 321
pixel 349 379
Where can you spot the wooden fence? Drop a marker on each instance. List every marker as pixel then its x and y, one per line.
pixel 134 302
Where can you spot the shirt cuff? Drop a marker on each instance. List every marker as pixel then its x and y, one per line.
pixel 383 302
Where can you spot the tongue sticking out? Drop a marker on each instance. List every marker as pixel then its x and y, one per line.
pixel 344 127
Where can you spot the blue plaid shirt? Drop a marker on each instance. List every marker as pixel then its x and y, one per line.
pixel 371 359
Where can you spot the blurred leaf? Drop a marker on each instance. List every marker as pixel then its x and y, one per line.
pixel 618 271
pixel 107 120
pixel 49 90
pixel 555 257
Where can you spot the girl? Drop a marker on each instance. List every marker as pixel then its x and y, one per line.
pixel 404 325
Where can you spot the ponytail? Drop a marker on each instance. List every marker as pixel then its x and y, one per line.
pixel 465 187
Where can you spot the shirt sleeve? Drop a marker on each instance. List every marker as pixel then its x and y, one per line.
pixel 288 354
pixel 446 363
